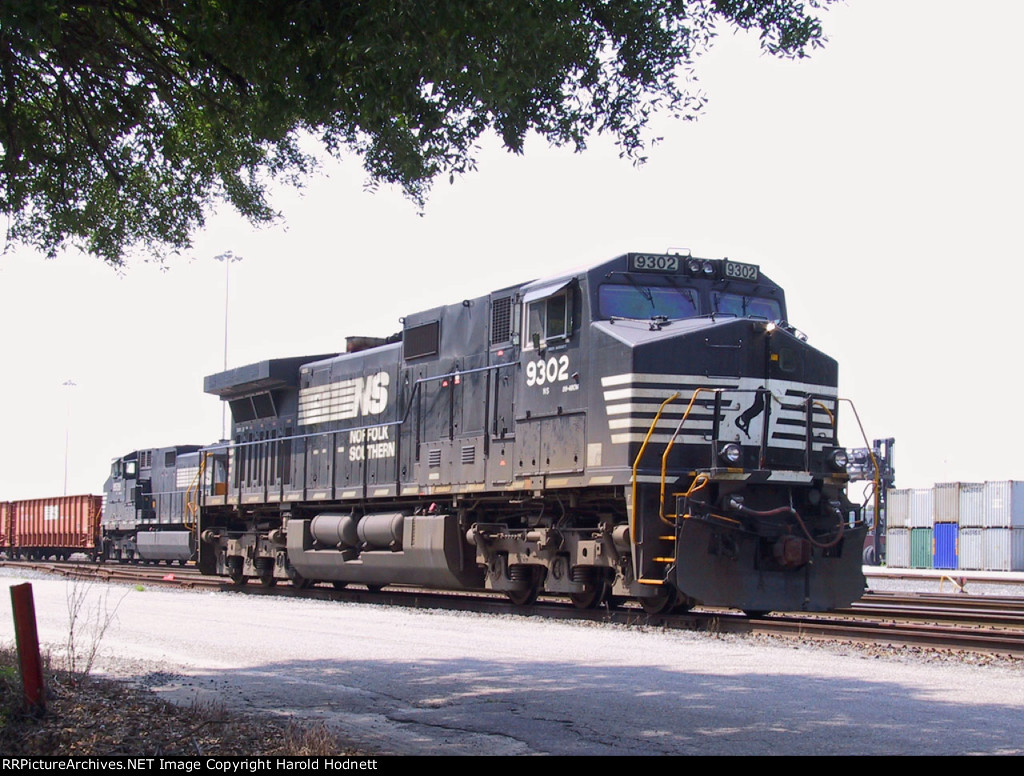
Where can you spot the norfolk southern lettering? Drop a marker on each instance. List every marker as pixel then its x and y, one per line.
pixel 377 444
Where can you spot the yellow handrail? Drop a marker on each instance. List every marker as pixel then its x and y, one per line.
pixel 636 463
pixel 668 448
pixel 699 483
pixel 191 507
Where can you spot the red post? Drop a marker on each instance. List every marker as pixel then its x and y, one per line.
pixel 28 646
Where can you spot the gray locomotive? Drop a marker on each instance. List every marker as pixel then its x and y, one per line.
pixel 150 506
pixel 647 428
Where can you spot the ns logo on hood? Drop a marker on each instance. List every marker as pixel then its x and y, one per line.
pixel 344 400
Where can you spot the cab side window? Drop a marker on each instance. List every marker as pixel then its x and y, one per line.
pixel 548 321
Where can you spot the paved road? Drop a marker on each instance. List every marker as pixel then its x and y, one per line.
pixel 454 683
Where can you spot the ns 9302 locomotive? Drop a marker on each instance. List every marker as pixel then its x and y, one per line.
pixel 647 428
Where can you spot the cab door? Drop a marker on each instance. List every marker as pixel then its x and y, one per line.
pixel 503 358
pixel 550 415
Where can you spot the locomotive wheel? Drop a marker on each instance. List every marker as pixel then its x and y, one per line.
pixel 523 597
pixel 534 577
pixel 528 595
pixel 236 570
pixel 298 581
pixel 265 572
pixel 339 584
pixel 375 588
pixel 659 604
pixel 683 604
pixel 592 597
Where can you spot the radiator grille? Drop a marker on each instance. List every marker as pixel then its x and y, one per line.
pixel 501 320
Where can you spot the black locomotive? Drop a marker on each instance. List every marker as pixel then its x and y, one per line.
pixel 650 427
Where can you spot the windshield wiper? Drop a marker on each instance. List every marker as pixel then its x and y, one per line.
pixel 655 321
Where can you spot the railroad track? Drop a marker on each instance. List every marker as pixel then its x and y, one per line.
pixel 959 622
pixel 964 610
pixel 169 576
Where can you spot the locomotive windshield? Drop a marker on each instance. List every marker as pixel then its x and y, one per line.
pixel 743 306
pixel 636 301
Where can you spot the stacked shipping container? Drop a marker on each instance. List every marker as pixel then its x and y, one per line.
pixel 957 525
pixel 945 532
pixel 1003 532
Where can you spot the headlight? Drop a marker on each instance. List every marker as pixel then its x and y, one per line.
pixel 838 460
pixel 730 454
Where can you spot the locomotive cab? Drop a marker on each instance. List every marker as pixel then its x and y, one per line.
pixel 730 421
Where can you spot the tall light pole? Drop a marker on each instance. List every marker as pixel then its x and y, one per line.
pixel 227 257
pixel 69 384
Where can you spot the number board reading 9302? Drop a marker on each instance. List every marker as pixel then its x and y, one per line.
pixel 738 271
pixel 652 262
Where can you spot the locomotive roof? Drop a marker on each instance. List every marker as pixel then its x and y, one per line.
pixel 619 265
pixel 262 376
pixel 279 373
pixel 357 354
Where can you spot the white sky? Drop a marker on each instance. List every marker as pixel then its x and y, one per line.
pixel 878 182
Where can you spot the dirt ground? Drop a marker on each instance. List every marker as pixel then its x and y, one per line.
pixel 87 716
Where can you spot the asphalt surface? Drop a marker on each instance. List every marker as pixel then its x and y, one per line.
pixel 432 682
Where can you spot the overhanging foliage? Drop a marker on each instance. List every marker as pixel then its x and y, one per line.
pixel 123 121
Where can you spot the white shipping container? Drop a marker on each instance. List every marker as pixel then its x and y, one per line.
pixel 972 505
pixel 897 548
pixel 947 502
pixel 922 508
pixel 1004 504
pixel 897 508
pixel 970 553
pixel 1004 549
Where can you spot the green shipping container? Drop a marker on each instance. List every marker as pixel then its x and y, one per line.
pixel 922 548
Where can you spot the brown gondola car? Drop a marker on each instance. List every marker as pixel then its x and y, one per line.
pixel 55 527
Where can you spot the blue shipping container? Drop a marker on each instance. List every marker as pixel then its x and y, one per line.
pixel 945 545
